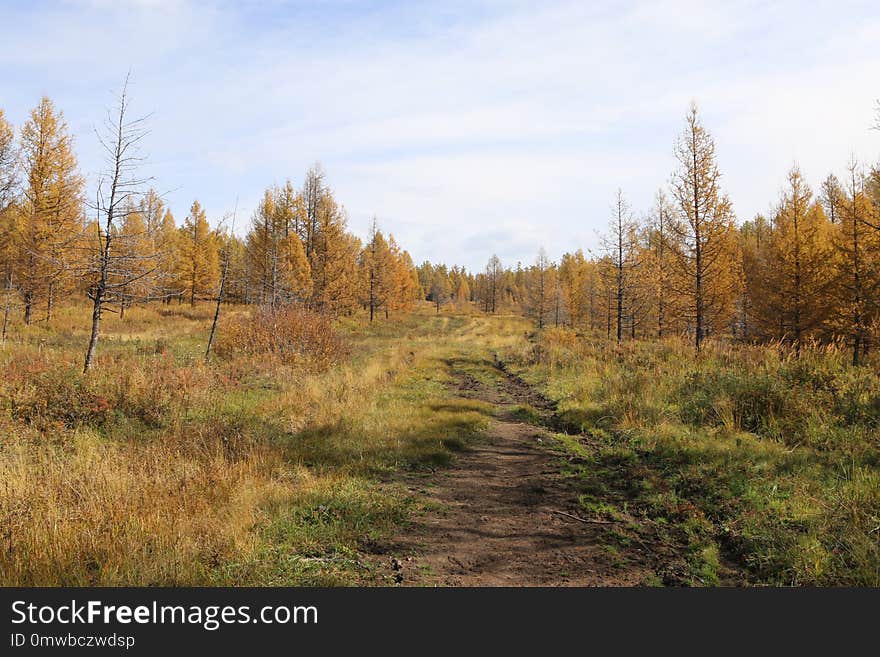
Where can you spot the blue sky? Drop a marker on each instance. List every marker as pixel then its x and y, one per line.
pixel 466 127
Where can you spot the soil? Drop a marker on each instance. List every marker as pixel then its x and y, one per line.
pixel 503 515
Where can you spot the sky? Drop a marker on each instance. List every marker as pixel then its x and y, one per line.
pixel 466 128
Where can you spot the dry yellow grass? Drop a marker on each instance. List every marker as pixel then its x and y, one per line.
pixel 157 469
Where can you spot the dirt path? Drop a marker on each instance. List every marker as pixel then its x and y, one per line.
pixel 498 516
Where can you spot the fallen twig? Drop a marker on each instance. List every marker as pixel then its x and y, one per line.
pixel 589 521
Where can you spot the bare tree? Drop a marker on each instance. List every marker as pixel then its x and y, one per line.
pixel 224 274
pixel 313 192
pixel 118 190
pixel 832 197
pixel 620 247
pixel 494 270
pixel 537 287
pixel 8 171
pixel 8 163
pixel 658 243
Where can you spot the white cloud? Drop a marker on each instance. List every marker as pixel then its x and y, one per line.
pixel 466 127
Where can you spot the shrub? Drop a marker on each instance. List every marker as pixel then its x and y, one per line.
pixel 293 334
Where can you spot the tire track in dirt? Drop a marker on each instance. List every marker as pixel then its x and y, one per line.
pixel 499 516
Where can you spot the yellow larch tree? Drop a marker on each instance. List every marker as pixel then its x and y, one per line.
pixel 198 256
pixel 333 259
pixel 856 282
pixel 706 249
pixel 792 303
pixel 279 270
pixel 52 209
pixel 754 239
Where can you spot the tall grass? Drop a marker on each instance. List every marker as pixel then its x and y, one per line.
pixel 769 460
pixel 159 469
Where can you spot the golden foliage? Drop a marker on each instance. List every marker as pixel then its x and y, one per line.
pixel 292 333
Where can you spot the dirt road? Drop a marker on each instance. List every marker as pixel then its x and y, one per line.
pixel 503 515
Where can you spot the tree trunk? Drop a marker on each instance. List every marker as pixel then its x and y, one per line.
pixel 28 305
pixel 96 327
pixel 6 306
pixel 50 301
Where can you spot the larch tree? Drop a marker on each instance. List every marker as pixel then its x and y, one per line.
pixel 606 269
pixel 8 163
pixel 856 280
pixel 754 240
pixel 279 268
pixel 659 264
pixel 404 281
pixel 440 289
pixel 152 212
pixel 295 277
pixel 574 287
pixel 167 241
pixel 377 271
pixel 462 293
pixel 52 217
pixel 706 248
pixel 226 247
pixel 136 254
pixel 793 302
pixel 199 264
pixel 333 259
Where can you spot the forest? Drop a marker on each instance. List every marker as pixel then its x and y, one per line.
pixel 271 399
pixel 807 273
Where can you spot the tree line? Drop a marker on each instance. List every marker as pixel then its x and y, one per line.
pixel 807 272
pixel 124 246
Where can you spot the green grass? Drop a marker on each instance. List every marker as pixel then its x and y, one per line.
pixel 756 467
pixel 741 466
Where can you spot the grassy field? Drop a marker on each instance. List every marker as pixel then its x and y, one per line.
pixel 754 466
pixel 158 469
